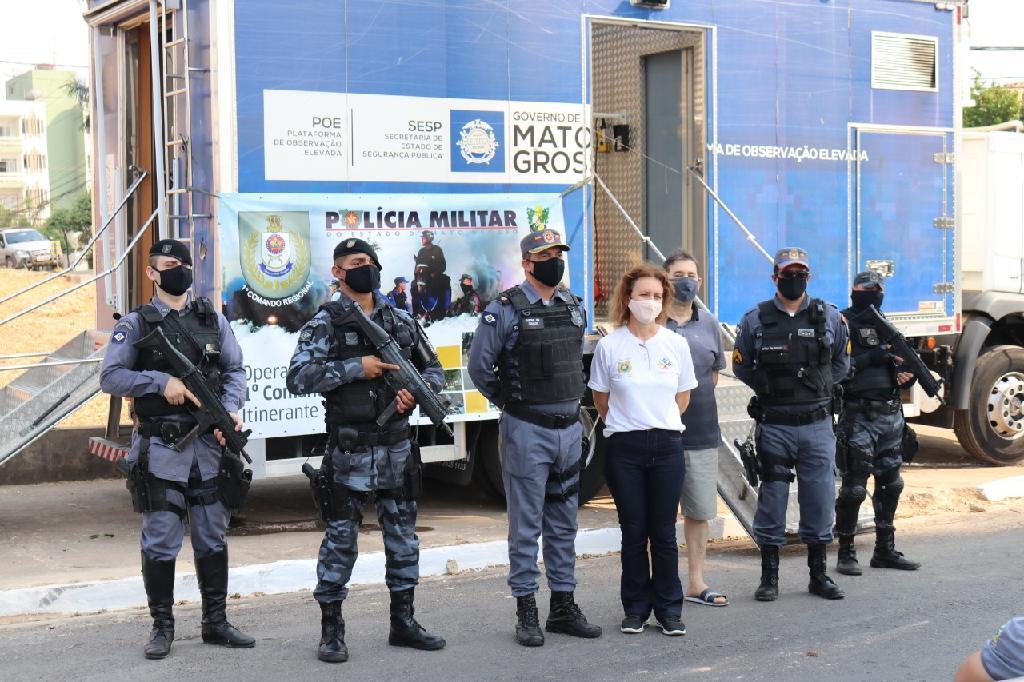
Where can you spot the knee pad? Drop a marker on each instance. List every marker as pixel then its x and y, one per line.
pixel 856 493
pixel 860 461
pixel 889 481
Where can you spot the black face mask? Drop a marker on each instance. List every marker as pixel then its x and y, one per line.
pixel 862 299
pixel 686 289
pixel 363 279
pixel 549 272
pixel 792 288
pixel 466 288
pixel 175 281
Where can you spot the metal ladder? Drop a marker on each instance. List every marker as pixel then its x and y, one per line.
pixel 185 203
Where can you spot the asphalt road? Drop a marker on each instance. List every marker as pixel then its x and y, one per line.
pixel 891 626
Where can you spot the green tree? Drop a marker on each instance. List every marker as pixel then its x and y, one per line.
pixel 64 223
pixel 992 105
pixel 80 91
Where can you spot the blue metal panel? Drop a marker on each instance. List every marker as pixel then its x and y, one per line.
pixel 900 194
pixel 790 75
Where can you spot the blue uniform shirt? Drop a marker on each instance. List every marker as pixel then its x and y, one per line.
pixel 496 334
pixel 748 344
pixel 118 378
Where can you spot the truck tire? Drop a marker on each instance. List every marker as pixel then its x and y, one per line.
pixel 489 450
pixel 992 427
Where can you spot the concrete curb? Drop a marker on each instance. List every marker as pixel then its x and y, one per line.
pixel 1003 489
pixel 300 574
pixel 273 578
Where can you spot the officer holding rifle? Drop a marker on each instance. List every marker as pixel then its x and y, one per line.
pixel 873 438
pixel 174 473
pixel 369 452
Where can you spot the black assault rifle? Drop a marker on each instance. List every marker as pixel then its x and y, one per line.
pixel 212 414
pixel 912 362
pixel 405 377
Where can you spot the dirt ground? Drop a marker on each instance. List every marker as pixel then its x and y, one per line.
pixel 48 328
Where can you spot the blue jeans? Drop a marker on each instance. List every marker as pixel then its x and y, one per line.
pixel 645 471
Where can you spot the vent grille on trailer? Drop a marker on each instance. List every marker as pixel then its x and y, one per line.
pixel 904 62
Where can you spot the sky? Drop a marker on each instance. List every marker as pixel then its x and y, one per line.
pixel 42 31
pixel 52 31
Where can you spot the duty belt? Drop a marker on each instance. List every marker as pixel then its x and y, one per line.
pixel 167 431
pixel 370 438
pixel 545 419
pixel 802 419
pixel 877 406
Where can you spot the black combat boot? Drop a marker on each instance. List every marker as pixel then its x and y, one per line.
pixel 158 577
pixel 405 631
pixel 886 556
pixel 847 563
pixel 528 631
pixel 212 574
pixel 565 617
pixel 332 647
pixel 821 584
pixel 768 590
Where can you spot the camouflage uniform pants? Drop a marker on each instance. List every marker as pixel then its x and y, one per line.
pixel 339 550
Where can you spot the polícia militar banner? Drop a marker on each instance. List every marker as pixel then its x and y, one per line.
pixel 276 257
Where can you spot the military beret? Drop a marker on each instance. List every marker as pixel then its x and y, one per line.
pixel 353 245
pixel 171 248
pixel 869 279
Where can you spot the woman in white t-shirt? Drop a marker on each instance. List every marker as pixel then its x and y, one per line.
pixel 641 376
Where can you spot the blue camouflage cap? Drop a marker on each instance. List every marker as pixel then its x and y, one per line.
pixel 869 279
pixel 791 255
pixel 538 241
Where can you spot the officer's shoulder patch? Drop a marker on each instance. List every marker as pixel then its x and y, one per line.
pixel 737 356
pixel 490 319
pixel 305 335
pixel 119 335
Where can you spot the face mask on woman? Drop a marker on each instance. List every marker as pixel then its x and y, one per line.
pixel 645 311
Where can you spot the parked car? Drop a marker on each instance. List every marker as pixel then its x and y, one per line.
pixel 27 248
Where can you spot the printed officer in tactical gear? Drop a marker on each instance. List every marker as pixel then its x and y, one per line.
pixel 792 350
pixel 527 358
pixel 872 434
pixel 470 302
pixel 169 486
pixel 333 357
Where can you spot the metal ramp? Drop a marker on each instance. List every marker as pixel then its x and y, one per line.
pixel 49 391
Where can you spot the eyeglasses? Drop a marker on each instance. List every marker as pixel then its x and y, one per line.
pixel 795 274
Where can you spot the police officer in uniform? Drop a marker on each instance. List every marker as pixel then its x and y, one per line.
pixel 334 358
pixel 431 255
pixel 180 484
pixel 470 302
pixel 791 350
pixel 873 429
pixel 526 357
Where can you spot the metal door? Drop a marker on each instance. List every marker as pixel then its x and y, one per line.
pixel 663 122
pixel 903 219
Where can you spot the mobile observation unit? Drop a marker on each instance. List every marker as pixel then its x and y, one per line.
pixel 262 133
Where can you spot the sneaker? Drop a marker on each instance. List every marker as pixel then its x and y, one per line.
pixel 633 625
pixel 672 627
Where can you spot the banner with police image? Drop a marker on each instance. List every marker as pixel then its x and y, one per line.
pixel 444 256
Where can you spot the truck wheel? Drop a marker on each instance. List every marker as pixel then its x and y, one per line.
pixel 593 456
pixel 992 427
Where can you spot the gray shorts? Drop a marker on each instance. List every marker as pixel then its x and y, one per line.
pixel 700 487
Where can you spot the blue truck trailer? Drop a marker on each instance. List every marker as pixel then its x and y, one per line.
pixel 265 132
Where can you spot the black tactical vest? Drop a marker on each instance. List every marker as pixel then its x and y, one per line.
pixel 794 363
pixel 358 403
pixel 546 363
pixel 869 381
pixel 200 343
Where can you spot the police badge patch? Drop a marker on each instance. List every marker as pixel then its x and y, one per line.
pixel 489 319
pixel 118 336
pixel 305 335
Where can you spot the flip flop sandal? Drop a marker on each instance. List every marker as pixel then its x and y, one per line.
pixel 707 598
